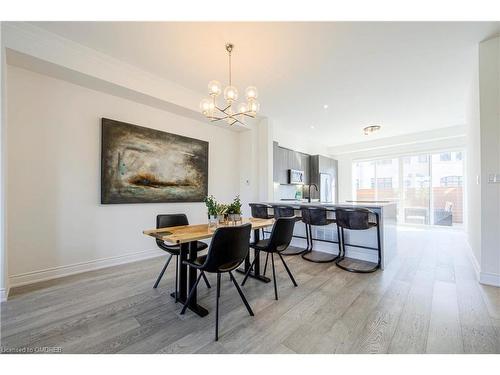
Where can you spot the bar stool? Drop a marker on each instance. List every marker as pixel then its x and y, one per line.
pixel 260 211
pixel 287 211
pixel 357 219
pixel 317 216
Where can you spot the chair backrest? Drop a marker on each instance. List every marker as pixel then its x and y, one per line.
pixel 314 215
pixel 282 233
pixel 354 218
pixel 170 220
pixel 228 248
pixel 283 211
pixel 260 210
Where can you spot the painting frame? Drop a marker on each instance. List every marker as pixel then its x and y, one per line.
pixel 121 184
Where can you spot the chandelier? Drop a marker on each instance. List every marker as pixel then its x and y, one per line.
pixel 230 111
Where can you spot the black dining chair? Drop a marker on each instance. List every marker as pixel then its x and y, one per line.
pixel 358 219
pixel 286 211
pixel 281 236
pixel 228 249
pixel 174 220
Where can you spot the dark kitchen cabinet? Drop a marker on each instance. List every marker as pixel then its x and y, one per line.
pixel 285 159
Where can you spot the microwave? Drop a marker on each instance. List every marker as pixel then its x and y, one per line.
pixel 295 176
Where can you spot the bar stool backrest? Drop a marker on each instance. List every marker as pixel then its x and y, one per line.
pixel 260 211
pixel 283 211
pixel 282 233
pixel 354 218
pixel 228 248
pixel 314 215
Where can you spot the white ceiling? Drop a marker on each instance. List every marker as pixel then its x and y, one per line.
pixel 407 77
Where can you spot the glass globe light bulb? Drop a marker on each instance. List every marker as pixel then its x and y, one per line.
pixel 231 93
pixel 253 106
pixel 251 92
pixel 207 106
pixel 214 88
pixel 242 107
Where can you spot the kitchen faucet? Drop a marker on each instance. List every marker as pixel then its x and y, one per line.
pixel 309 198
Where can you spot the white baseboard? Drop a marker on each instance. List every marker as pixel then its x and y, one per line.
pixel 489 279
pixel 3 295
pixel 72 269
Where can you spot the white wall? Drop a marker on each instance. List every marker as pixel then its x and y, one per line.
pixel 288 139
pixel 489 105
pixel 3 256
pixel 473 167
pixel 55 221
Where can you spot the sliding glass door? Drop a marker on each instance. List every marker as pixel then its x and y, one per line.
pixel 427 186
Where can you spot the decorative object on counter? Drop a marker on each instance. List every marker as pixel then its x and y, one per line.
pixel 213 112
pixel 234 210
pixel 211 204
pixel 142 165
pixel 223 214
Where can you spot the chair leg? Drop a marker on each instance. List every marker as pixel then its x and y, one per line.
pixel 190 296
pixel 287 270
pixel 307 238
pixel 217 308
pixel 206 280
pixel 162 271
pixel 248 273
pixel 274 278
pixel 265 265
pixel 241 294
pixel 176 279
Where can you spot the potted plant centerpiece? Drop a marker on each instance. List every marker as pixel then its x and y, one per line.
pixel 212 204
pixel 234 210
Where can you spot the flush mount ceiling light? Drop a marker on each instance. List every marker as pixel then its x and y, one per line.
pixel 213 112
pixel 371 129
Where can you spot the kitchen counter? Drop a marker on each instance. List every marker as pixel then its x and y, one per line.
pixel 356 240
pixel 298 203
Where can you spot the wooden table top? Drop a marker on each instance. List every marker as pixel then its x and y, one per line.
pixel 188 233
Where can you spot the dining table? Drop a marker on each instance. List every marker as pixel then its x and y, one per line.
pixel 186 237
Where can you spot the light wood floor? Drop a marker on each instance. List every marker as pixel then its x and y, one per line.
pixel 426 301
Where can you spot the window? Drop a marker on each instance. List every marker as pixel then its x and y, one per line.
pixel 422 158
pixel 384 183
pixel 424 186
pixel 451 181
pixel 446 156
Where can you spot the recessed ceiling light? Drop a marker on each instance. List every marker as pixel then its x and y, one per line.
pixel 312 126
pixel 371 129
pixel 325 106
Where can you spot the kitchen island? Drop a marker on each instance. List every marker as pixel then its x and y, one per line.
pixel 356 241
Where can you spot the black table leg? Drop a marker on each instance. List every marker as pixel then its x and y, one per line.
pixel 191 249
pixel 256 268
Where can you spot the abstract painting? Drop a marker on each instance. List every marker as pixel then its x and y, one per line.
pixel 142 165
